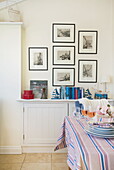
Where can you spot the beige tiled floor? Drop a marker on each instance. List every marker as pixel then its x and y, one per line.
pixel 36 161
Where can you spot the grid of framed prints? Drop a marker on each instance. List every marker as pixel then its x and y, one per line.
pixel 88 45
pixel 63 55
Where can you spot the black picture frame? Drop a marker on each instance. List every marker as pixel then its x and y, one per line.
pixel 63 33
pixel 87 71
pixel 63 55
pixel 38 58
pixel 63 77
pixel 87 42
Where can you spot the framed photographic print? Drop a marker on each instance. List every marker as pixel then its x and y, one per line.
pixel 63 55
pixel 63 77
pixel 63 33
pixel 87 42
pixel 87 71
pixel 38 58
pixel 37 86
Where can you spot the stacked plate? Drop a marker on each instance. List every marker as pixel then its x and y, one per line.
pixel 103 130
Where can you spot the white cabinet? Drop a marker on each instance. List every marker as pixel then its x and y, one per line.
pixel 10 86
pixel 42 122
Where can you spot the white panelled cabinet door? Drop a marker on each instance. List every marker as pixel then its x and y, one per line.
pixel 42 122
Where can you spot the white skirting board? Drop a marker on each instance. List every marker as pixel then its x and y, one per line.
pixel 41 149
pixel 29 149
pixel 10 150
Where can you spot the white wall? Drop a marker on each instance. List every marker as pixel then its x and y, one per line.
pixel 38 17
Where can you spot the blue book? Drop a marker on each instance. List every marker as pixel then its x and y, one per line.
pixel 81 92
pixel 73 92
pixel 78 92
pixel 67 92
pixel 70 93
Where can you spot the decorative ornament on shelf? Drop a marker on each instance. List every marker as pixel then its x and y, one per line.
pixel 55 94
pixel 28 94
pixel 103 93
pixel 43 94
pixel 87 94
pixel 62 92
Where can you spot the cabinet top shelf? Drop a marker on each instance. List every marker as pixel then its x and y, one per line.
pixel 52 100
pixel 45 100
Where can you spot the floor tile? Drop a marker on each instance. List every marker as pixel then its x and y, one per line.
pixel 36 166
pixel 59 166
pixel 38 158
pixel 59 158
pixel 12 158
pixel 10 166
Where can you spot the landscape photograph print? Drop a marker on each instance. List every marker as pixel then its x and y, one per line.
pixel 63 55
pixel 63 33
pixel 63 76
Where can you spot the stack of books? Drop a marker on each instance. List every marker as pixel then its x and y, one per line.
pixel 71 92
pixel 101 96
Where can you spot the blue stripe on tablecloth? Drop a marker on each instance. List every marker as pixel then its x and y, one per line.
pixel 83 157
pixel 60 138
pixel 71 145
pixel 101 155
pixel 100 152
pixel 71 161
pixel 108 141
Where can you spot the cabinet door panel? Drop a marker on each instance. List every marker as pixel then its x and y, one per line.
pixel 42 122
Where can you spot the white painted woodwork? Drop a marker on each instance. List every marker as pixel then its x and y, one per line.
pixel 10 84
pixel 42 122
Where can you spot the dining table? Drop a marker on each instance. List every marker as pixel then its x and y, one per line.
pixel 85 151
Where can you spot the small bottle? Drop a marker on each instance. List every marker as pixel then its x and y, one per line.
pixel 43 95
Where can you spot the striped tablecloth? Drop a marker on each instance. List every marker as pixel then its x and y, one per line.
pixel 96 153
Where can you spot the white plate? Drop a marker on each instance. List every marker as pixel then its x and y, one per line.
pixel 103 126
pixel 101 131
pixel 98 134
